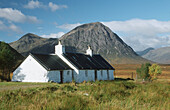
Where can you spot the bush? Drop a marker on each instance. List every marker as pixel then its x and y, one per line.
pixel 154 71
pixel 143 72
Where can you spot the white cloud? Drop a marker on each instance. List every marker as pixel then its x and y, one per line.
pixel 148 27
pixel 138 33
pixel 2 26
pixel 39 28
pixel 9 28
pixel 55 7
pixel 15 28
pixel 141 34
pixel 36 4
pixel 16 16
pixel 68 26
pixel 33 4
pixel 53 35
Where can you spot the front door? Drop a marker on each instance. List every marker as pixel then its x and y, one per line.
pixel 95 75
pixel 61 76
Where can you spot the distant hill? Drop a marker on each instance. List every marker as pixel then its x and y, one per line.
pixel 160 55
pixel 33 43
pixel 141 53
pixel 102 40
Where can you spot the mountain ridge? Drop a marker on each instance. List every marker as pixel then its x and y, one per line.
pixel 160 55
pixel 141 53
pixel 102 40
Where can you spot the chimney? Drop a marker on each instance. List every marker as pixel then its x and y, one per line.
pixel 89 51
pixel 59 49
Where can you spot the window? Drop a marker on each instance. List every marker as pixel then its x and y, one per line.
pixel 86 73
pixel 68 72
pixel 101 73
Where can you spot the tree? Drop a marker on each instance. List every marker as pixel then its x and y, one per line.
pixel 7 60
pixel 143 72
pixel 154 71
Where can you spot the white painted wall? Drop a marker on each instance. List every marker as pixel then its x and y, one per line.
pixel 91 75
pixel 111 76
pixel 67 76
pixel 54 76
pixel 105 75
pixel 30 71
pixel 99 77
pixel 83 77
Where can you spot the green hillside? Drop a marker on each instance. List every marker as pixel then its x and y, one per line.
pixel 9 59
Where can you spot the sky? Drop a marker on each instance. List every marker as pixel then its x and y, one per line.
pixel 140 23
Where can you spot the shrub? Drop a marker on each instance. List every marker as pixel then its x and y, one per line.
pixel 154 71
pixel 143 72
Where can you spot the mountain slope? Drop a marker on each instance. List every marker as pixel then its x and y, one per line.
pixel 9 57
pixel 33 43
pixel 160 55
pixel 141 53
pixel 7 47
pixel 102 40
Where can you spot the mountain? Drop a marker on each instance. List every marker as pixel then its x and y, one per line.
pixel 160 55
pixel 141 53
pixel 101 39
pixel 33 43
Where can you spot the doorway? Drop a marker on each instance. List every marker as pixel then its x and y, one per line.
pixel 61 76
pixel 95 75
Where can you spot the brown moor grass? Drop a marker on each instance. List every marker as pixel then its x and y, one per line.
pixel 117 94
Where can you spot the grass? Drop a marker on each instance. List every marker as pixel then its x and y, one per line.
pixel 118 94
pixel 88 95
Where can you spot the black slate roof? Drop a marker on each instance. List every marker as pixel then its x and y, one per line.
pixel 83 61
pixel 50 62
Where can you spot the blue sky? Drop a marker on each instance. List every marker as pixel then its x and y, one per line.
pixel 140 23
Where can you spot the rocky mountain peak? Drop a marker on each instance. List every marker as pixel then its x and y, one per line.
pixel 29 36
pixel 101 39
pixel 98 36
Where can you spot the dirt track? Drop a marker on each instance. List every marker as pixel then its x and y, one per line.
pixel 15 87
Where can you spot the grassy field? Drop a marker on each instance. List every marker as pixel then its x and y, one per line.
pixel 126 71
pixel 117 94
pixel 123 95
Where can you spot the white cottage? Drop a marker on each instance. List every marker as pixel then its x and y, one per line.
pixel 63 67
